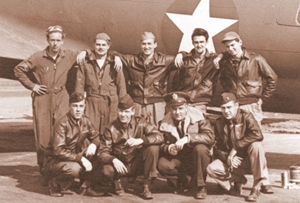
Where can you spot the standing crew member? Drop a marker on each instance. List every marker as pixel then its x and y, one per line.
pixel 243 74
pixel 49 95
pixel 197 76
pixel 104 84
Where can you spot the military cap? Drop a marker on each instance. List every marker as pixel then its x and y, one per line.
pixel 147 35
pixel 230 36
pixel 125 102
pixel 55 28
pixel 228 97
pixel 76 97
pixel 103 36
pixel 176 98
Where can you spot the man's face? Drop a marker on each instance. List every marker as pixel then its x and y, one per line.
pixel 77 109
pixel 55 41
pixel 179 112
pixel 199 43
pixel 234 48
pixel 101 47
pixel 148 46
pixel 230 109
pixel 125 115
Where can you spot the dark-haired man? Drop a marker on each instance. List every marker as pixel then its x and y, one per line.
pixel 188 137
pixel 130 147
pixel 197 76
pixel 69 158
pixel 239 150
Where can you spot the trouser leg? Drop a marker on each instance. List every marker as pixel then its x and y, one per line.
pixel 65 172
pixel 258 164
pixel 219 172
pixel 150 159
pixel 201 157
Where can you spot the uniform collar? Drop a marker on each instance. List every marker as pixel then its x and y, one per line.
pixel 73 121
pixel 61 53
pixel 155 56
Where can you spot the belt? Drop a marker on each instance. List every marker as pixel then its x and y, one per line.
pixel 56 90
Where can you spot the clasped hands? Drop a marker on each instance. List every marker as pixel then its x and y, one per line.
pixel 175 148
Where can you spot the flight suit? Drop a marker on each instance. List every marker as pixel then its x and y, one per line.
pixel 104 86
pixel 55 103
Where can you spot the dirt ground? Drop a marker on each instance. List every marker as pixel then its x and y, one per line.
pixel 20 180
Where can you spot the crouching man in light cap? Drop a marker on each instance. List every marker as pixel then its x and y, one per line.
pixel 186 150
pixel 239 150
pixel 70 158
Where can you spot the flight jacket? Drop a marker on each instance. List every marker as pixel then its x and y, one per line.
pixel 112 142
pixel 196 127
pixel 197 79
pixel 69 136
pixel 244 131
pixel 144 81
pixel 246 82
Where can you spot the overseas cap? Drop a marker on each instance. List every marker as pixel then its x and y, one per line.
pixel 230 36
pixel 125 102
pixel 55 28
pixel 177 98
pixel 147 35
pixel 103 36
pixel 76 97
pixel 227 97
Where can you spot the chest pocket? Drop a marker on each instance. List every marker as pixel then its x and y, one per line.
pixel 238 131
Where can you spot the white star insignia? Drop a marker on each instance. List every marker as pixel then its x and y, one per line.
pixel 199 19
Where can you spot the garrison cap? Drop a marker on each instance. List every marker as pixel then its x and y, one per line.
pixel 125 102
pixel 147 35
pixel 55 28
pixel 76 97
pixel 230 36
pixel 177 98
pixel 103 36
pixel 228 97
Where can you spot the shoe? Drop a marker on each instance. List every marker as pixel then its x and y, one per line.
pixel 254 195
pixel 236 189
pixel 54 189
pixel 91 192
pixel 267 189
pixel 147 193
pixel 119 190
pixel 201 193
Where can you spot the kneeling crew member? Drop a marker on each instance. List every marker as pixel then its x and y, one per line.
pixel 188 138
pixel 129 147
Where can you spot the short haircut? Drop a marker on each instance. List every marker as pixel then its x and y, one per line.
pixel 200 32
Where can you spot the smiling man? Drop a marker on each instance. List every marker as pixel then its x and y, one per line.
pixel 144 73
pixel 247 75
pixel 197 76
pixel 103 84
pixel 130 147
pixel 188 139
pixel 239 151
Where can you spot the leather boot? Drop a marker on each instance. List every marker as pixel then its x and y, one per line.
pixel 119 190
pixel 54 188
pixel 146 192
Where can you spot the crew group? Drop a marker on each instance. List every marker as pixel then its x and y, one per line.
pixel 140 114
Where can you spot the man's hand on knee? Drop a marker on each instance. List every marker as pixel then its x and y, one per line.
pixel 119 166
